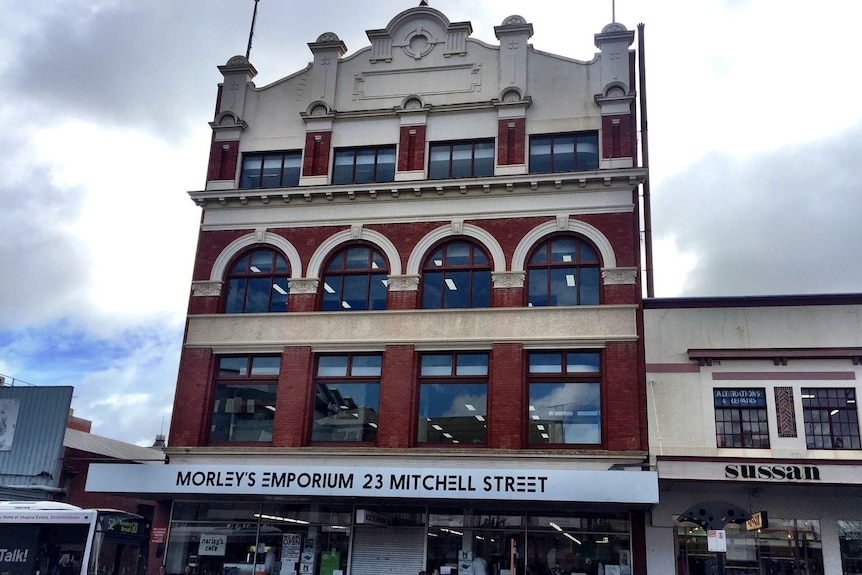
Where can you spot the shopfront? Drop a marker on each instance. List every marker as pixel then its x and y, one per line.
pixel 813 511
pixel 324 520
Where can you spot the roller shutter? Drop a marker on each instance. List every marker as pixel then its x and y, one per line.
pixel 387 550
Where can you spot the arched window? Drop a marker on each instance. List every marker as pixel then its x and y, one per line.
pixel 563 270
pixel 257 282
pixel 355 279
pixel 456 275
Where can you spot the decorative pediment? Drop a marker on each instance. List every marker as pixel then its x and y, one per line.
pixel 417 32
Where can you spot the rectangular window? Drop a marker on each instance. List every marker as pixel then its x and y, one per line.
pixel 576 152
pixel 461 160
pixel 245 393
pixel 347 398
pixel 565 398
pixel 740 418
pixel 271 170
pixel 453 398
pixel 362 165
pixel 830 416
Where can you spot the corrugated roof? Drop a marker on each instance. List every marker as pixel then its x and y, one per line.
pixel 107 447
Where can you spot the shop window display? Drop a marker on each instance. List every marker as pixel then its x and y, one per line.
pixel 850 540
pixel 786 547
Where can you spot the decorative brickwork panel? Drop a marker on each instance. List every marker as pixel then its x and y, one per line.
pixel 411 148
pixel 511 139
pixel 617 137
pixel 223 160
pixel 785 412
pixel 316 158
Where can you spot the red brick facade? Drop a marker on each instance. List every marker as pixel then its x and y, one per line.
pixel 411 148
pixel 511 140
pixel 315 160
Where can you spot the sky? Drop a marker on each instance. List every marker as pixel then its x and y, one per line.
pixel 755 135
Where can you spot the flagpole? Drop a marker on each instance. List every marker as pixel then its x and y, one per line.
pixel 251 31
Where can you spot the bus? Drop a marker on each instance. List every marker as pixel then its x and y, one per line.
pixel 52 538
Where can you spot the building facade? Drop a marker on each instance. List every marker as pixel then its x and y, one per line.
pixel 753 403
pixel 414 331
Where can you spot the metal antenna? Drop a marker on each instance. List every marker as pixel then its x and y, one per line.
pixel 613 10
pixel 251 32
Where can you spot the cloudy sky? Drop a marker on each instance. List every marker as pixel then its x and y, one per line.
pixel 754 128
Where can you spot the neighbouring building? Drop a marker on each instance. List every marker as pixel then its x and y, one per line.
pixel 753 403
pixel 414 332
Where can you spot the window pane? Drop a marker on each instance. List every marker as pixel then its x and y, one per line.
pixel 589 293
pixel 436 365
pixel 342 171
pixel 472 364
pixel 332 365
pixel 582 362
pixel 564 288
pixel 588 152
pixel 278 297
pixel 432 284
pixel 271 171
pixel 261 261
pixel 540 154
pixel 292 169
pixel 462 160
pixel 438 163
pixel 364 171
pixel 332 293
pixel 366 365
pixel 235 296
pixel 257 295
pixel 538 284
pixel 265 365
pixel 357 258
pixel 452 413
pixel 355 295
pixel 346 412
pixel 379 289
pixel 458 254
pixel 564 154
pixel 481 296
pixel 250 172
pixel 483 160
pixel 386 165
pixel 564 250
pixel 233 366
pixel 567 413
pixel 546 363
pixel 456 288
pixel 243 413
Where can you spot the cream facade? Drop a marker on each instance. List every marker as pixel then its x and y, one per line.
pixel 752 402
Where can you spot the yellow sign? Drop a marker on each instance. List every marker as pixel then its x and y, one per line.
pixel 758 521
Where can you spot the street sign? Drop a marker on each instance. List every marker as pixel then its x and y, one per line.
pixel 716 540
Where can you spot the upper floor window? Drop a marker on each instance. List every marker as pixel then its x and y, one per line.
pixel 456 275
pixel 562 271
pixel 564 152
pixel 362 165
pixel 831 420
pixel 245 394
pixel 565 398
pixel 453 398
pixel 740 418
pixel 257 282
pixel 356 278
pixel 271 170
pixel 347 398
pixel 461 160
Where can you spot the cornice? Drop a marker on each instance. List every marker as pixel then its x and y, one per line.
pixel 612 179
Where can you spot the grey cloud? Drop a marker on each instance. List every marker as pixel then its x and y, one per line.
pixel 777 223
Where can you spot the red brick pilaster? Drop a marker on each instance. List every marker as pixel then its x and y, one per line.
pixel 193 398
pixel 399 398
pixel 316 158
pixel 622 407
pixel 511 139
pixel 301 302
pixel 506 397
pixel 617 137
pixel 402 299
pixel 411 148
pixel 507 297
pixel 223 159
pixel 293 404
pixel 161 518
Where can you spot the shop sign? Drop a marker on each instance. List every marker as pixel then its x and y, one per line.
pixel 773 472
pixel 212 545
pixel 758 520
pixel 379 481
